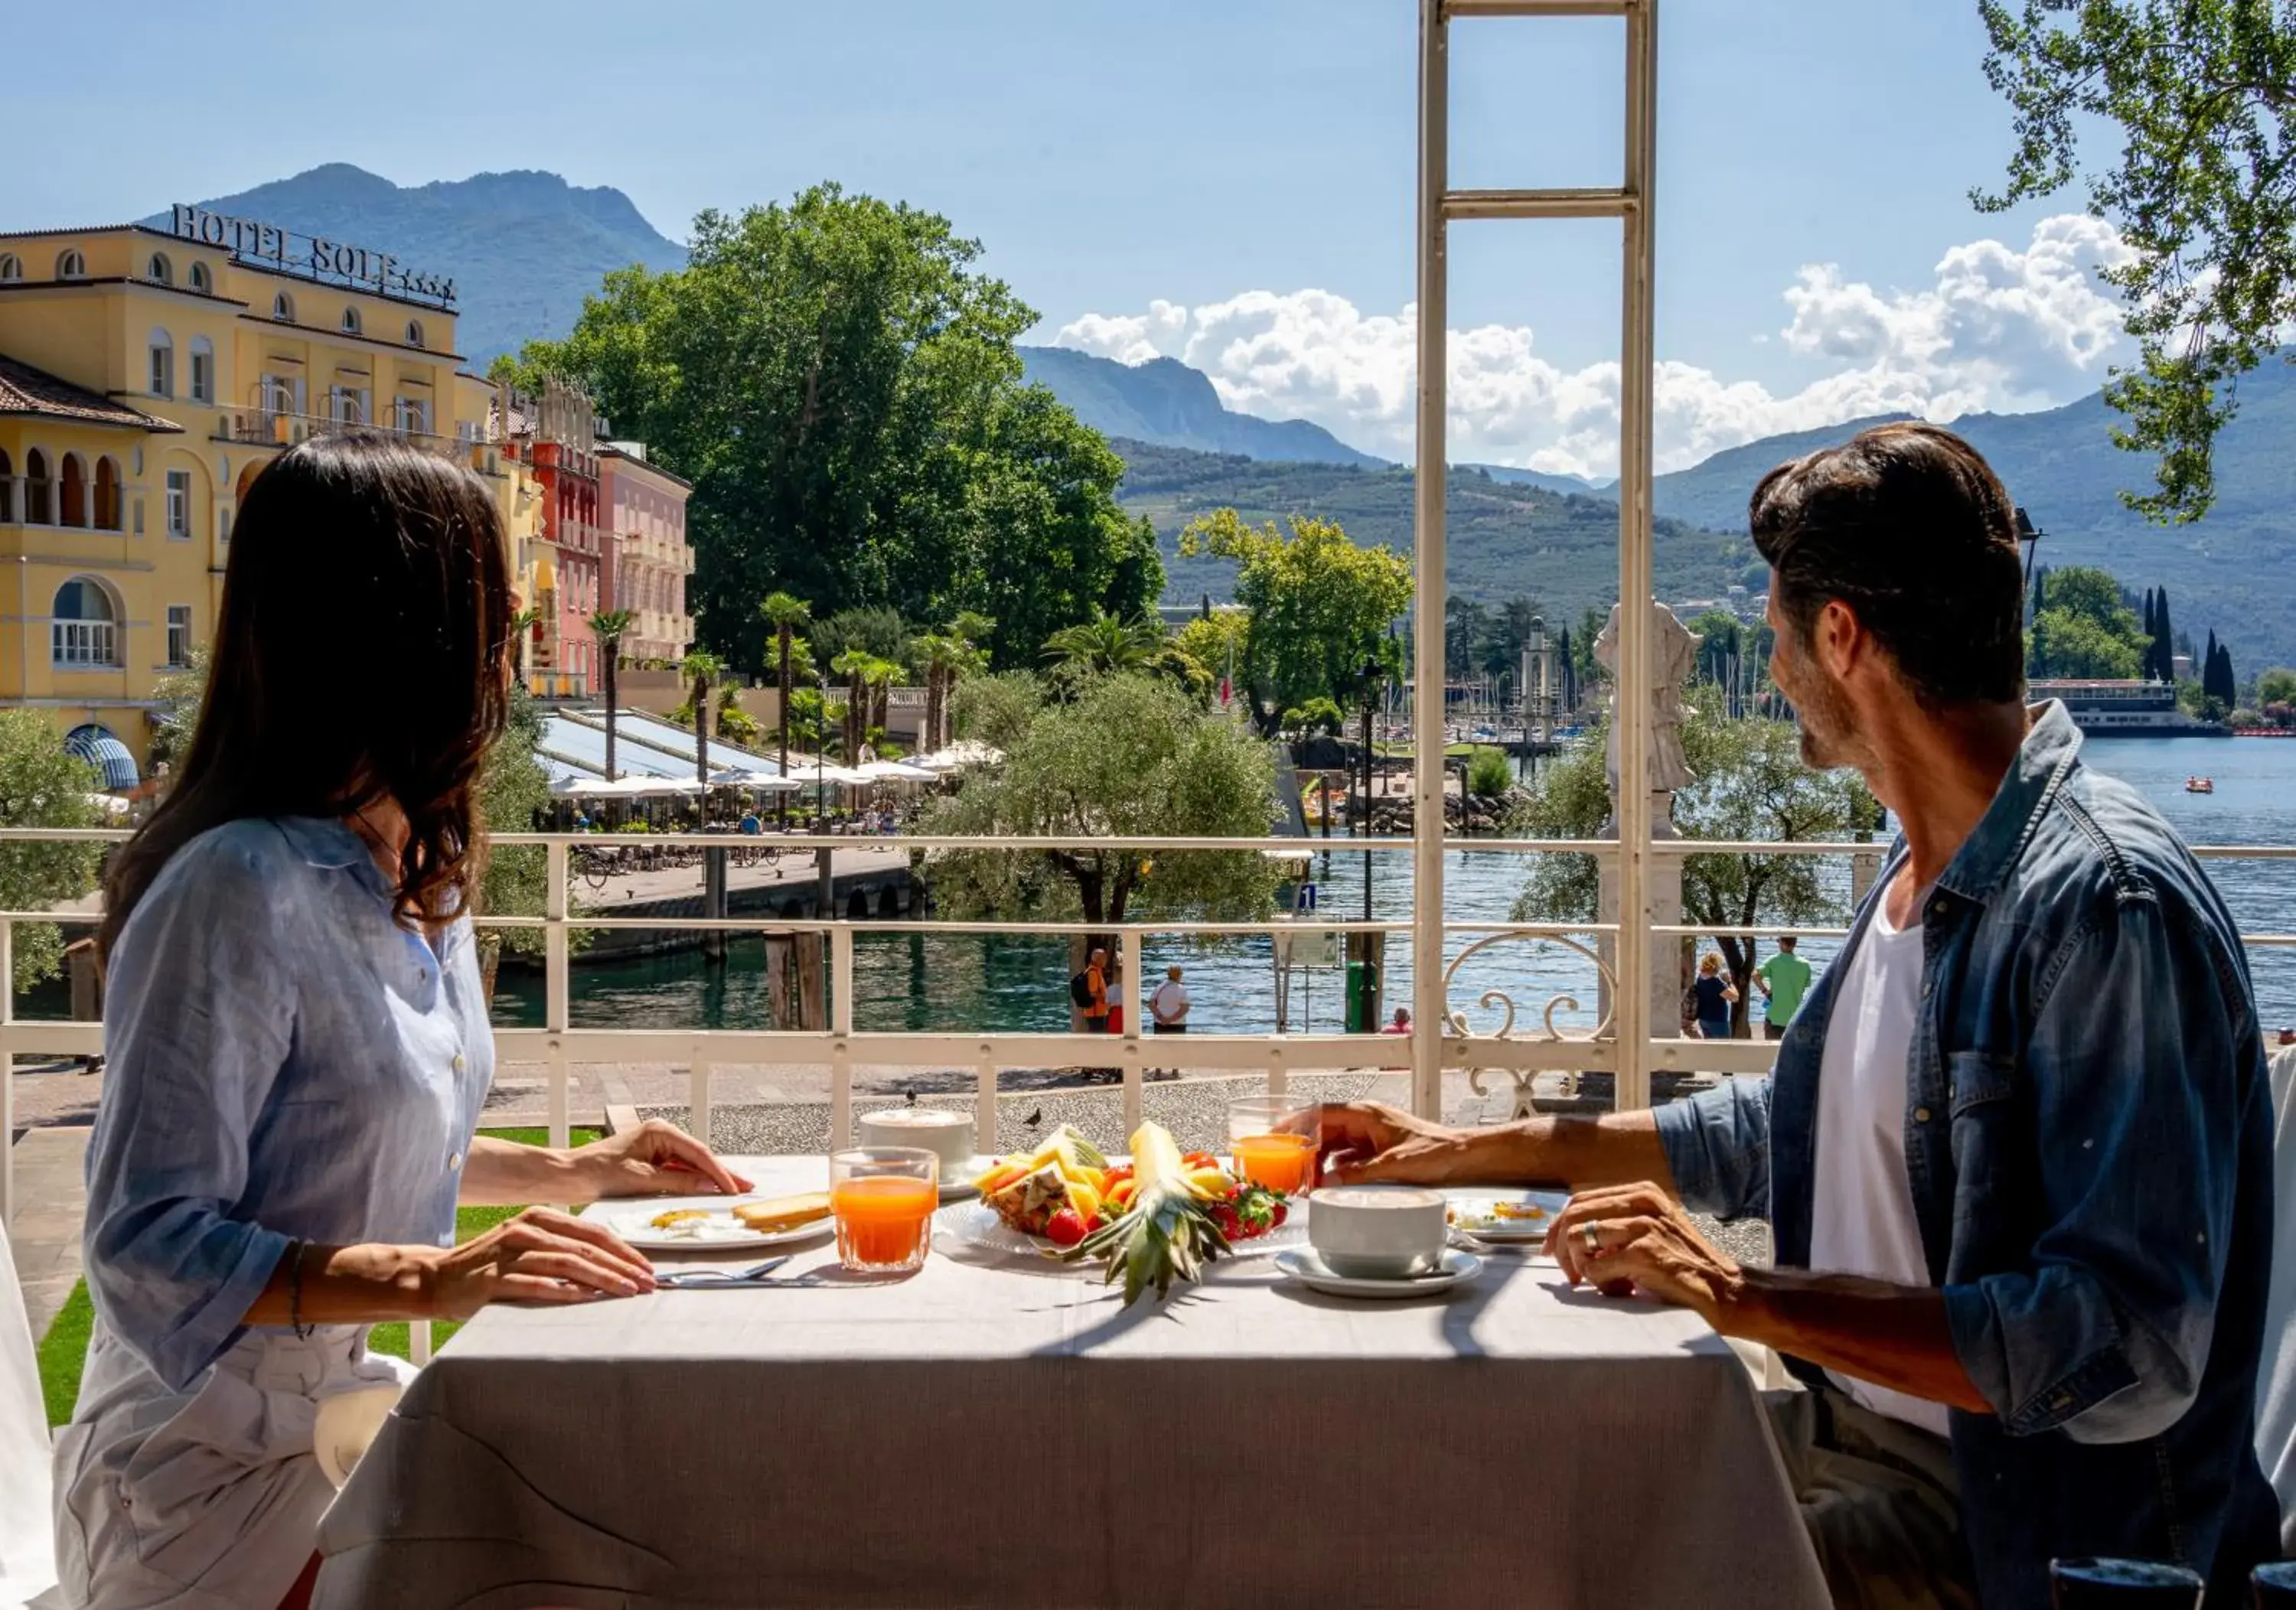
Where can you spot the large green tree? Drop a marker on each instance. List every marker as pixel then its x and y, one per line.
pixel 1123 755
pixel 1317 606
pixel 2198 96
pixel 1749 784
pixel 42 787
pixel 2083 626
pixel 838 379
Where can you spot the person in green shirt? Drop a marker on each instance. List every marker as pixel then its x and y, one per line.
pixel 1784 980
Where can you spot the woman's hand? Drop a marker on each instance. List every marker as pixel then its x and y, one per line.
pixel 655 1159
pixel 542 1255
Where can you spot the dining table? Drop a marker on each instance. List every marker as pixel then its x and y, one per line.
pixel 998 1429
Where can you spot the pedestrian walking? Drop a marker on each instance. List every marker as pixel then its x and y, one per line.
pixel 1168 1012
pixel 1784 980
pixel 1715 996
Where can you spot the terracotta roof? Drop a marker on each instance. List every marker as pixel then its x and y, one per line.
pixel 24 390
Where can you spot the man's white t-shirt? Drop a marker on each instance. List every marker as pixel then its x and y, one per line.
pixel 1862 1219
pixel 1169 1003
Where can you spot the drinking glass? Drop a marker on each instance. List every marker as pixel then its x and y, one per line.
pixel 2110 1584
pixel 882 1199
pixel 1273 1140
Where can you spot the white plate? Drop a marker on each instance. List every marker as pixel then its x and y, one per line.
pixel 632 1219
pixel 1304 1265
pixel 1469 1208
pixel 977 1223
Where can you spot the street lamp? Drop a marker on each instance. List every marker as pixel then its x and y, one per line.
pixel 820 742
pixel 1372 674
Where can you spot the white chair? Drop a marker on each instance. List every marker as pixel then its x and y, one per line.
pixel 28 1563
pixel 2275 1384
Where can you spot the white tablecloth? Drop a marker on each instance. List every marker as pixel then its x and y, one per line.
pixel 994 1432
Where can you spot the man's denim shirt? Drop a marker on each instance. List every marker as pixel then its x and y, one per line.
pixel 2088 1142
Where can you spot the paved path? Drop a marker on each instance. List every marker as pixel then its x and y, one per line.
pixel 51 1199
pixel 793 867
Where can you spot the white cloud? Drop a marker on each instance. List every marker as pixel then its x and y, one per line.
pixel 2000 329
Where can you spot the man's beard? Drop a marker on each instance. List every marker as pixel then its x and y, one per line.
pixel 1829 737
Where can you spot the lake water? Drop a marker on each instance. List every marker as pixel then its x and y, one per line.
pixel 958 984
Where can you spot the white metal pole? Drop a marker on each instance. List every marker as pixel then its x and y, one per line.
pixel 7 1075
pixel 1638 371
pixel 1427 562
pixel 557 987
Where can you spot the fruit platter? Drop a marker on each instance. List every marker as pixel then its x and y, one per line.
pixel 1160 1215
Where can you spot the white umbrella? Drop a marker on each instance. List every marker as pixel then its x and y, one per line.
pixel 894 771
pixel 964 752
pixel 764 782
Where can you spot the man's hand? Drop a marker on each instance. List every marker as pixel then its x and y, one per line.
pixel 655 1159
pixel 1626 1238
pixel 1366 1143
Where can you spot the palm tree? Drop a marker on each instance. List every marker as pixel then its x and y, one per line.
pixel 705 668
pixel 853 666
pixel 607 626
pixel 1105 642
pixel 785 612
pixel 934 654
pixel 522 634
pixel 878 677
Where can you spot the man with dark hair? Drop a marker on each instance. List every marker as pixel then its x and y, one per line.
pixel 2015 1148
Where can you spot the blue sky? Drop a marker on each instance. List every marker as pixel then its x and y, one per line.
pixel 1220 158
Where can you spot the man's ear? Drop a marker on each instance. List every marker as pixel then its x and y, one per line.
pixel 1839 639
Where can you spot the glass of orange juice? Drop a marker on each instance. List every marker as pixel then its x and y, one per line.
pixel 1273 1140
pixel 882 1199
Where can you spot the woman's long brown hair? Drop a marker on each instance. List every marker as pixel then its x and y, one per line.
pixel 360 656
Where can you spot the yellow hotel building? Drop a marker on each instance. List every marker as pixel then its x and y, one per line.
pixel 146 377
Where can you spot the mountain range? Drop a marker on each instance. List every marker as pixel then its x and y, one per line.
pixel 1165 402
pixel 527 246
pixel 524 248
pixel 2060 464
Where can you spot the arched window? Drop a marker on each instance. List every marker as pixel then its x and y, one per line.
pixel 283 308
pixel 203 384
pixel 39 491
pixel 70 265
pixel 414 329
pixel 85 629
pixel 162 348
pixel 72 492
pixel 107 494
pixel 161 269
pixel 11 267
pixel 350 321
pixel 198 278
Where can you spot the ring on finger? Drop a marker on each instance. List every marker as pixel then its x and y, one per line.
pixel 1591 1236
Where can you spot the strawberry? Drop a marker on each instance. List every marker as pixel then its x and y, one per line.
pixel 1275 1216
pixel 1066 1229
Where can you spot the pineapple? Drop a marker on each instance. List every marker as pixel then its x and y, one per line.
pixel 1029 1202
pixel 1166 1229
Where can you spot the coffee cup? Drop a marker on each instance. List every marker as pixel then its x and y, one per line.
pixel 1377 1233
pixel 944 1132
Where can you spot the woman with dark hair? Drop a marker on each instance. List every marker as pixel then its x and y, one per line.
pixel 298 1044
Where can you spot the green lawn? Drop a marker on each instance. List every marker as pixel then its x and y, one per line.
pixel 64 1349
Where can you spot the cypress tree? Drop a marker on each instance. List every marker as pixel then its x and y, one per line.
pixel 2148 615
pixel 2164 638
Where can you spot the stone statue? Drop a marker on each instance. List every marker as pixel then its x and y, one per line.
pixel 1673 656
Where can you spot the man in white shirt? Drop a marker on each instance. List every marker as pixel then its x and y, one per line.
pixel 1168 1010
pixel 2016 1148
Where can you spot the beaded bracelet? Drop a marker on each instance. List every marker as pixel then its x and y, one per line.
pixel 295 1291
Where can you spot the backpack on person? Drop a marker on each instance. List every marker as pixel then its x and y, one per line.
pixel 1080 990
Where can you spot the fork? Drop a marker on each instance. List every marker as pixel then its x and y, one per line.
pixel 691 1280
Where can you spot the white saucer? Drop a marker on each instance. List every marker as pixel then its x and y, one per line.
pixel 1302 1263
pixel 952 1187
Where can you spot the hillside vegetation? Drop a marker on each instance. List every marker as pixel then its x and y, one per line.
pixel 1506 541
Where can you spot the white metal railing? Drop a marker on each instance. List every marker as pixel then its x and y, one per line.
pixel 91 644
pixel 1443 1033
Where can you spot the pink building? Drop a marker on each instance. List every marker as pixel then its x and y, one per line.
pixel 648 559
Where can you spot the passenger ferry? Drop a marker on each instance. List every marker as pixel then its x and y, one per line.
pixel 2125 707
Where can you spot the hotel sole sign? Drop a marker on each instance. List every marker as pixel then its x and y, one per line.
pixel 314 256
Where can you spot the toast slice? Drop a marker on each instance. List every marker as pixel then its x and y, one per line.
pixel 776 1214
